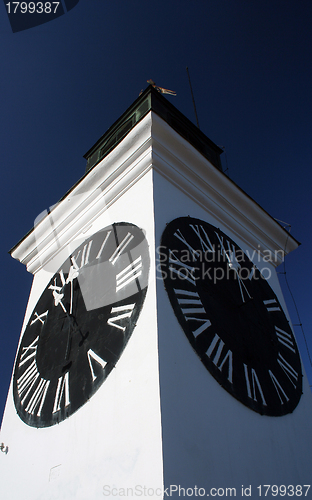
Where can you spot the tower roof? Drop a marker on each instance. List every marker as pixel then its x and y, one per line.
pixel 166 141
pixel 152 100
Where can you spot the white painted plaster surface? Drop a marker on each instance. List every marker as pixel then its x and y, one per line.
pixel 114 440
pixel 159 416
pixel 209 438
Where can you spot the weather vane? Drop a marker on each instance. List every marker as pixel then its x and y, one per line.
pixel 161 89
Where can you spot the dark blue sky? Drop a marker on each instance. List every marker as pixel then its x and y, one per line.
pixel 65 82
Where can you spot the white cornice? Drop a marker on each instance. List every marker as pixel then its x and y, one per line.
pixel 180 163
pixel 152 143
pixel 89 198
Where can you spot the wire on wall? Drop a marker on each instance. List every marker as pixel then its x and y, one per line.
pixel 288 227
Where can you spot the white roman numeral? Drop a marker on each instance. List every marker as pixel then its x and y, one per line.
pixel 252 382
pixel 219 344
pixel 62 389
pixel 180 237
pixel 271 305
pixel 288 369
pixel 129 274
pixel 55 288
pixel 284 338
pixel 193 309
pixel 184 271
pixel 63 281
pixel 280 391
pixel 39 317
pixel 38 397
pixel 125 242
pixel 103 245
pixel 27 380
pixel 95 357
pixel 85 253
pixel 205 243
pixel 31 382
pixel 120 309
pixel 57 295
pixel 29 352
pixel 223 249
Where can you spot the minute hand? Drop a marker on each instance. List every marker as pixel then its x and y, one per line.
pixel 73 273
pixel 235 265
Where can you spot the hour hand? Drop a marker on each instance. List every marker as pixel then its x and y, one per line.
pixel 73 328
pixel 57 295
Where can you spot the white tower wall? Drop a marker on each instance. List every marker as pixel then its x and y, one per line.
pixel 160 418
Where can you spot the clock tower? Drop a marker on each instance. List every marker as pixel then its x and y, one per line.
pixel 157 357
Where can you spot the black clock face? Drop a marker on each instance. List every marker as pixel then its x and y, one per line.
pixel 231 316
pixel 81 325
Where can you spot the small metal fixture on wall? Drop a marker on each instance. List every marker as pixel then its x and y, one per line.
pixel 4 448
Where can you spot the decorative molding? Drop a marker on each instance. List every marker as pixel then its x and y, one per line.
pixel 152 143
pixel 182 165
pixel 88 199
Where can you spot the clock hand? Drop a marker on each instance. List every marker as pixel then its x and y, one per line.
pixel 71 320
pixel 73 273
pixel 73 327
pixel 235 265
pixel 57 291
pixel 58 297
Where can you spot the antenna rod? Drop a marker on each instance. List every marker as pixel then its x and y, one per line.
pixel 188 74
